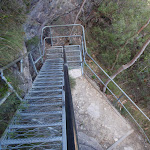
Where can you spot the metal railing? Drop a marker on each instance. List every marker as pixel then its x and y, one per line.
pixel 72 140
pixel 21 61
pixel 85 55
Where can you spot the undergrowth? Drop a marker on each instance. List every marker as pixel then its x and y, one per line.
pixel 72 82
pixel 7 110
pixel 11 33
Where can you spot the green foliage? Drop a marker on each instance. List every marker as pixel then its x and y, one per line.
pixel 32 42
pixel 14 81
pixel 114 24
pixel 28 5
pixel 72 82
pixel 3 89
pixel 7 110
pixel 11 34
pixel 93 77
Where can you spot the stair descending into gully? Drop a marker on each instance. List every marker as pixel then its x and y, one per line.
pixel 40 122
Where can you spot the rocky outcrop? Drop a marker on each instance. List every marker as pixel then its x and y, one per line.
pixel 45 12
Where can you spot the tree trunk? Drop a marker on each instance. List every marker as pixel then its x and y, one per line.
pixel 124 67
pixel 127 41
pixel 78 15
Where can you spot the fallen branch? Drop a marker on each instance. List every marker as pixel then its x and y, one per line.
pixel 124 67
pixel 127 41
pixel 78 14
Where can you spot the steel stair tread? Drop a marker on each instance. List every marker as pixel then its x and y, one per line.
pixel 48 86
pixel 36 91
pixel 35 125
pixel 31 140
pixel 45 104
pixel 34 97
pixel 74 61
pixel 40 113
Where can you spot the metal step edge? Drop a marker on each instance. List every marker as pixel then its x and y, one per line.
pixel 55 49
pixel 55 54
pixel 31 140
pixel 71 45
pixel 49 82
pixel 68 51
pixel 59 78
pixel 70 48
pixel 53 67
pixel 34 97
pixel 56 61
pixel 50 64
pixel 34 126
pixel 40 101
pixel 50 78
pixel 45 73
pixel 53 71
pixel 42 86
pixel 50 69
pixel 42 73
pixel 40 91
pixel 73 59
pixel 40 113
pixel 59 61
pixel 45 104
pixel 74 62
pixel 73 56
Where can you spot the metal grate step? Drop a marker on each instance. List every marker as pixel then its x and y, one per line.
pixel 39 122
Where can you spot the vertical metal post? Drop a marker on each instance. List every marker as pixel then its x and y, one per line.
pixel 82 53
pixel 34 67
pixel 40 53
pixel 21 65
pixel 51 36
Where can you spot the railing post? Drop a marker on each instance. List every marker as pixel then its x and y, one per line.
pixel 82 53
pixel 40 53
pixel 51 36
pixel 34 67
pixel 21 65
pixel 44 47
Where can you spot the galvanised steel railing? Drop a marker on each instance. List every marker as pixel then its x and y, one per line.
pixel 19 60
pixel 72 139
pixel 84 55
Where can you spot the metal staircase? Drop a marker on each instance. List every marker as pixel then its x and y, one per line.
pixel 45 118
pixel 40 122
pixel 73 55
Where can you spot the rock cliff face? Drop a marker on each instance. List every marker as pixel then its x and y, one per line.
pixel 27 79
pixel 46 12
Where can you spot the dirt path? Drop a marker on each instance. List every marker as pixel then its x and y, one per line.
pixel 99 125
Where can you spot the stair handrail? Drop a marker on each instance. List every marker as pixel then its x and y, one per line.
pixel 20 59
pixel 72 139
pixel 123 93
pixel 85 53
pixel 17 60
